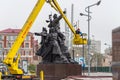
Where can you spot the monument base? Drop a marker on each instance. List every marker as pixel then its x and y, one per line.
pixel 58 71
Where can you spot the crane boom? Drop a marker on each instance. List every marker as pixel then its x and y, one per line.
pixel 22 35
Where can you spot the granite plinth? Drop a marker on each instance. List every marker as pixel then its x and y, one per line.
pixel 58 71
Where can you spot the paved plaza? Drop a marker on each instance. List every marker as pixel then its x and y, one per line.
pixel 92 76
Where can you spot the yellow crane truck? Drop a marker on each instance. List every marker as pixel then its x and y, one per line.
pixel 9 60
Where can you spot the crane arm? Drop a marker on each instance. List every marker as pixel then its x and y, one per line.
pixel 22 35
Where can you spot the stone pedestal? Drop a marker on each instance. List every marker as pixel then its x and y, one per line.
pixel 58 71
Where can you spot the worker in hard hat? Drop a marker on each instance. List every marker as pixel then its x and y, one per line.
pixel 78 32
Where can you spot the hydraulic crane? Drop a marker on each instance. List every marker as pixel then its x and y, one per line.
pixel 13 63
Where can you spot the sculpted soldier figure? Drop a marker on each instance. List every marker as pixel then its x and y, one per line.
pixel 56 54
pixel 43 34
pixel 43 42
pixel 55 22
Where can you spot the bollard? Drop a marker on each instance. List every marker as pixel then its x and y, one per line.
pixel 0 76
pixel 41 75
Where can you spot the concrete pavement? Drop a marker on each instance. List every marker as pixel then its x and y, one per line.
pixel 92 76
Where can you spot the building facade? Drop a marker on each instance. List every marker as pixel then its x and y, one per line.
pixel 27 49
pixel 116 53
pixel 95 46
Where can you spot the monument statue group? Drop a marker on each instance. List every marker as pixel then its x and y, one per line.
pixel 53 48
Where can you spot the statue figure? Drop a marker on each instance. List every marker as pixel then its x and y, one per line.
pixel 55 22
pixel 43 34
pixel 43 42
pixel 53 49
pixel 56 54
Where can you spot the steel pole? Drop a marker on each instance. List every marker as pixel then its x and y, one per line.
pixel 88 41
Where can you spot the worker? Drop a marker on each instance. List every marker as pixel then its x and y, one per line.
pixel 78 32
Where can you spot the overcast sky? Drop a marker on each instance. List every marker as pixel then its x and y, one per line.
pixel 105 17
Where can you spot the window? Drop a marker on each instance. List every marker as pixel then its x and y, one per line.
pixel 8 37
pixel 8 45
pixel 27 38
pixel 1 37
pixel 20 51
pixel 13 37
pixel 23 53
pixel 27 53
pixel 30 53
pixel 0 51
pixel 0 45
pixel 26 45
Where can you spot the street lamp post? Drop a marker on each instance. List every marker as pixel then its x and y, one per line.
pixel 3 52
pixel 109 47
pixel 89 18
pixel 87 9
pixel 109 53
